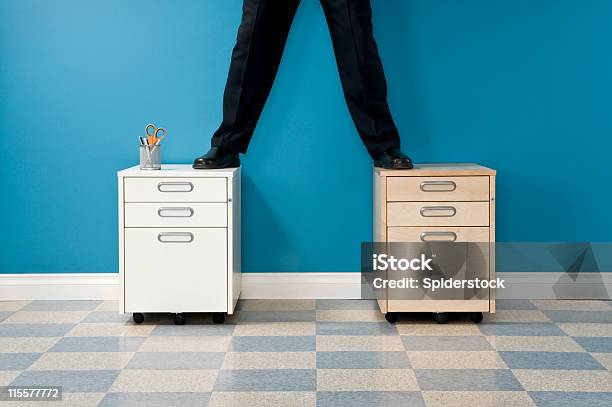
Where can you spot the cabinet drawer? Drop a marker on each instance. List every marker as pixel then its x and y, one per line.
pixel 438 188
pixel 175 190
pixel 175 270
pixel 437 234
pixel 212 214
pixel 438 214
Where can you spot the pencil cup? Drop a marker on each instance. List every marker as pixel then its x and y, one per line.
pixel 150 157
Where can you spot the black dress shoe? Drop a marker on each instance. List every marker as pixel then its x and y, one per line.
pixel 217 157
pixel 393 159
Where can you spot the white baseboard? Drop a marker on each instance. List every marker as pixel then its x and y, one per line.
pixel 105 286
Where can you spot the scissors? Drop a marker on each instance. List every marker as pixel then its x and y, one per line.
pixel 154 134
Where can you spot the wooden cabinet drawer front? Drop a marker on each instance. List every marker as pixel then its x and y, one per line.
pixel 175 190
pixel 437 234
pixel 438 214
pixel 175 214
pixel 438 188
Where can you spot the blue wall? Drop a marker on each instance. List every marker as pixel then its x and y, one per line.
pixel 521 86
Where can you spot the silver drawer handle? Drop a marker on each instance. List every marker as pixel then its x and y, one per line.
pixel 438 236
pixel 178 212
pixel 438 186
pixel 175 187
pixel 175 237
pixel 438 211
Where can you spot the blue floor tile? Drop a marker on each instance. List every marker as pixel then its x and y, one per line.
pixel 194 330
pixel 35 330
pixel 355 328
pixel 266 380
pixel 595 344
pixel 72 381
pixel 17 361
pixel 580 316
pixel 362 360
pixel 276 316
pixel 62 306
pixel 570 399
pixel 514 304
pixel 273 344
pixel 155 399
pixel 369 398
pixel 98 344
pixel 467 380
pixel 107 316
pixel 4 315
pixel 520 329
pixel 346 304
pixel 551 360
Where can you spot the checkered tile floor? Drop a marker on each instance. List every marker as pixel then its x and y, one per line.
pixel 306 353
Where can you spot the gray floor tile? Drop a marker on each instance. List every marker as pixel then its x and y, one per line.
pixel 514 304
pixel 176 360
pixel 276 316
pixel 595 344
pixel 194 330
pixel 107 316
pixel 362 360
pixel 4 315
pixel 98 344
pixel 467 379
pixel 155 399
pixel 273 344
pixel 570 399
pixel 520 329
pixel 446 343
pixel 31 330
pixel 551 360
pixel 580 316
pixel 347 304
pixel 266 380
pixel 356 328
pixel 62 306
pixel 369 398
pixel 72 381
pixel 17 361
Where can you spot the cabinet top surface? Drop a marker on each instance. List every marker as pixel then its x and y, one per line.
pixel 446 169
pixel 178 170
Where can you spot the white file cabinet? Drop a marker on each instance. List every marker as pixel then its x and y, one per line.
pixel 179 241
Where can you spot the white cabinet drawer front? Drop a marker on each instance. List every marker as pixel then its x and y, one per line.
pixel 175 190
pixel 438 188
pixel 438 234
pixel 185 214
pixel 438 214
pixel 175 270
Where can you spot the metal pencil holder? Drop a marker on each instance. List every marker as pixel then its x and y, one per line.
pixel 150 157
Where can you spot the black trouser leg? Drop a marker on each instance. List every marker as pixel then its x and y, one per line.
pixel 361 72
pixel 259 47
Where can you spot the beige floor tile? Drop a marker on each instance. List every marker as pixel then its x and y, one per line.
pixel 110 329
pixel 12 305
pixel 108 306
pixel 46 317
pixel 564 380
pixel 269 360
pixel 340 315
pixel 186 344
pixel 366 380
pixel 165 381
pixel 7 376
pixel 433 329
pixel 534 343
pixel 456 360
pixel 26 345
pixel 275 329
pixel 359 343
pixel 278 305
pixel 579 329
pixel 68 400
pixel 516 315
pixel 574 305
pixel 477 398
pixel 604 358
pixel 82 361
pixel 262 399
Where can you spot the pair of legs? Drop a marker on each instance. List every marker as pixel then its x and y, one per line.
pixel 257 55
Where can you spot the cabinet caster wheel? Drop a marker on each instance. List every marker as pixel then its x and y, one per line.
pixel 441 317
pixel 179 319
pixel 476 317
pixel 391 317
pixel 218 318
pixel 138 317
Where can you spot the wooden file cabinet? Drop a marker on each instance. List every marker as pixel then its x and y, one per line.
pixel 436 202
pixel 179 241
